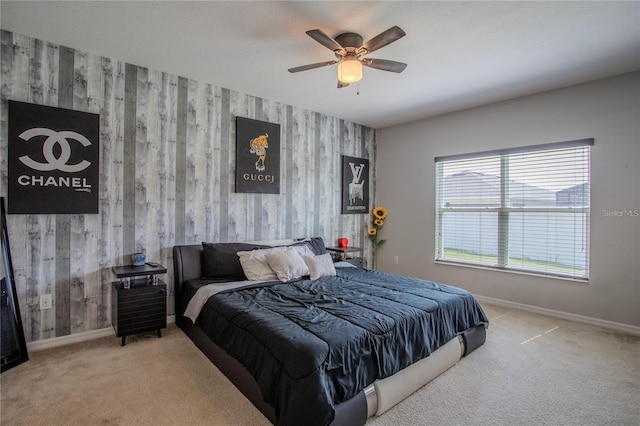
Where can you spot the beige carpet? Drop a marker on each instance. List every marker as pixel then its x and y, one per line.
pixel 149 381
pixel 532 370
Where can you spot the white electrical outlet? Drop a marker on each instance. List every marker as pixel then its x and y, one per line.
pixel 46 302
pixel 396 260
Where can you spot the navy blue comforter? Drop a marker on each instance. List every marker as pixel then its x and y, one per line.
pixel 313 344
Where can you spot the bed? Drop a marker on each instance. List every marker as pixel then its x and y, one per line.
pixel 329 344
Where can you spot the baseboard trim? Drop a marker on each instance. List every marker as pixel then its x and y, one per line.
pixel 610 325
pixel 85 336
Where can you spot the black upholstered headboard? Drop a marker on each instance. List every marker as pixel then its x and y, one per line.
pixel 187 259
pixel 187 262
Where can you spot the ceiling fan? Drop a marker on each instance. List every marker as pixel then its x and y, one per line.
pixel 350 52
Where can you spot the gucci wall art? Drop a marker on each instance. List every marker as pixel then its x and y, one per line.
pixel 257 156
pixel 355 185
pixel 53 160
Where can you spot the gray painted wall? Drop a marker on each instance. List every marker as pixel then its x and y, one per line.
pixel 166 177
pixel 607 110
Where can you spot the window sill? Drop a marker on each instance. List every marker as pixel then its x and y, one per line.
pixel 512 271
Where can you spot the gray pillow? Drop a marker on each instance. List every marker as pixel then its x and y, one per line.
pixel 317 245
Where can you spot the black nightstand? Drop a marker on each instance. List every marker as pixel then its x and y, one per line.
pixel 340 254
pixel 138 300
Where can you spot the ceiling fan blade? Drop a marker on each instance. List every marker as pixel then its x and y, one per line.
pixel 384 65
pixel 341 84
pixel 384 38
pixel 312 66
pixel 324 39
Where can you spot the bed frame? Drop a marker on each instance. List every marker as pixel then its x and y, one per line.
pixel 374 400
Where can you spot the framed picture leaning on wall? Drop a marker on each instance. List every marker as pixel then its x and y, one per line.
pixel 12 340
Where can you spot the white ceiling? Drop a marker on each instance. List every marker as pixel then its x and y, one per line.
pixel 459 54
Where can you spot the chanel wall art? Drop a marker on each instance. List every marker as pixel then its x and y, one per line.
pixel 53 159
pixel 355 185
pixel 257 156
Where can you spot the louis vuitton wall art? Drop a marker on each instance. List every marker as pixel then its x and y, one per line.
pixel 53 160
pixel 355 185
pixel 257 156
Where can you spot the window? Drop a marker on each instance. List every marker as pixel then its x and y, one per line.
pixel 523 209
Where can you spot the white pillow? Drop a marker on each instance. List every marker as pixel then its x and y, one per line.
pixel 287 264
pixel 303 250
pixel 255 266
pixel 320 266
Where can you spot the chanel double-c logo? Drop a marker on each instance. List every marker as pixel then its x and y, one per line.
pixel 55 138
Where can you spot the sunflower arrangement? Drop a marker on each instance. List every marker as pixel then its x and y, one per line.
pixel 378 215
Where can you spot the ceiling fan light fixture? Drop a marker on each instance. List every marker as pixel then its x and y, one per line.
pixel 350 51
pixel 350 70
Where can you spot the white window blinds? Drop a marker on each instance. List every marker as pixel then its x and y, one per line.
pixel 524 209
